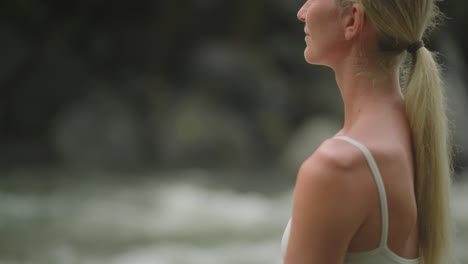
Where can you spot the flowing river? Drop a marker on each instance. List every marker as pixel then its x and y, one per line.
pixel 175 219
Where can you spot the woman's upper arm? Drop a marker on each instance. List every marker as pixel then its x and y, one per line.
pixel 325 213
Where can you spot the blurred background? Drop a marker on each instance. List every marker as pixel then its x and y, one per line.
pixel 166 132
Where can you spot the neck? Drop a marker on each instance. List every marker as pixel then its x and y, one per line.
pixel 366 92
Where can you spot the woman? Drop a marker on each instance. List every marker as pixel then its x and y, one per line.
pixel 377 192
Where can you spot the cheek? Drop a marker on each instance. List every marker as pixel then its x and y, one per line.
pixel 316 22
pixel 311 20
pixel 322 26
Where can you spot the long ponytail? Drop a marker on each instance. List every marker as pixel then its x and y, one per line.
pixel 401 23
pixel 426 110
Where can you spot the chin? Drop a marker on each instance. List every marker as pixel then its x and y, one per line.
pixel 309 55
pixel 313 58
pixel 309 58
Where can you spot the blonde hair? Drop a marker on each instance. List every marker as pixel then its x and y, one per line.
pixel 400 23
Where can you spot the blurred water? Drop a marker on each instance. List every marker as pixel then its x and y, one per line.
pixel 143 220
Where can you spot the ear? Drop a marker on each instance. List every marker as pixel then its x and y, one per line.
pixel 353 20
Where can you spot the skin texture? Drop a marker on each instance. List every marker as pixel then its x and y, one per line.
pixel 324 32
pixel 336 204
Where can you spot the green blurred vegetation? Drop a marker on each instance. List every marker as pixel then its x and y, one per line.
pixel 190 83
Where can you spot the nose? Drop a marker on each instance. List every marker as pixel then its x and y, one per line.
pixel 301 13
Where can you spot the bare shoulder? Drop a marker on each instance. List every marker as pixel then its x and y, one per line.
pixel 334 158
pixel 332 175
pixel 326 204
pixel 331 172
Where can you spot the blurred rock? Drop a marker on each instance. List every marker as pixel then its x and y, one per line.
pixel 201 133
pixel 229 72
pixel 274 130
pixel 14 52
pixel 305 140
pixel 54 78
pixel 251 85
pixel 127 49
pixel 101 131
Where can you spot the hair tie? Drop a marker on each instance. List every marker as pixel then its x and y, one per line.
pixel 415 46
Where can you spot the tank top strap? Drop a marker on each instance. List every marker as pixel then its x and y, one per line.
pixel 380 186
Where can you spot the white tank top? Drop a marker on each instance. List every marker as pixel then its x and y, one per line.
pixel 382 254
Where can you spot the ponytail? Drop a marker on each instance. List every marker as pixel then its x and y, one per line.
pixel 425 107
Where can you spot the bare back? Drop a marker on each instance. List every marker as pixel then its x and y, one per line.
pixel 389 142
